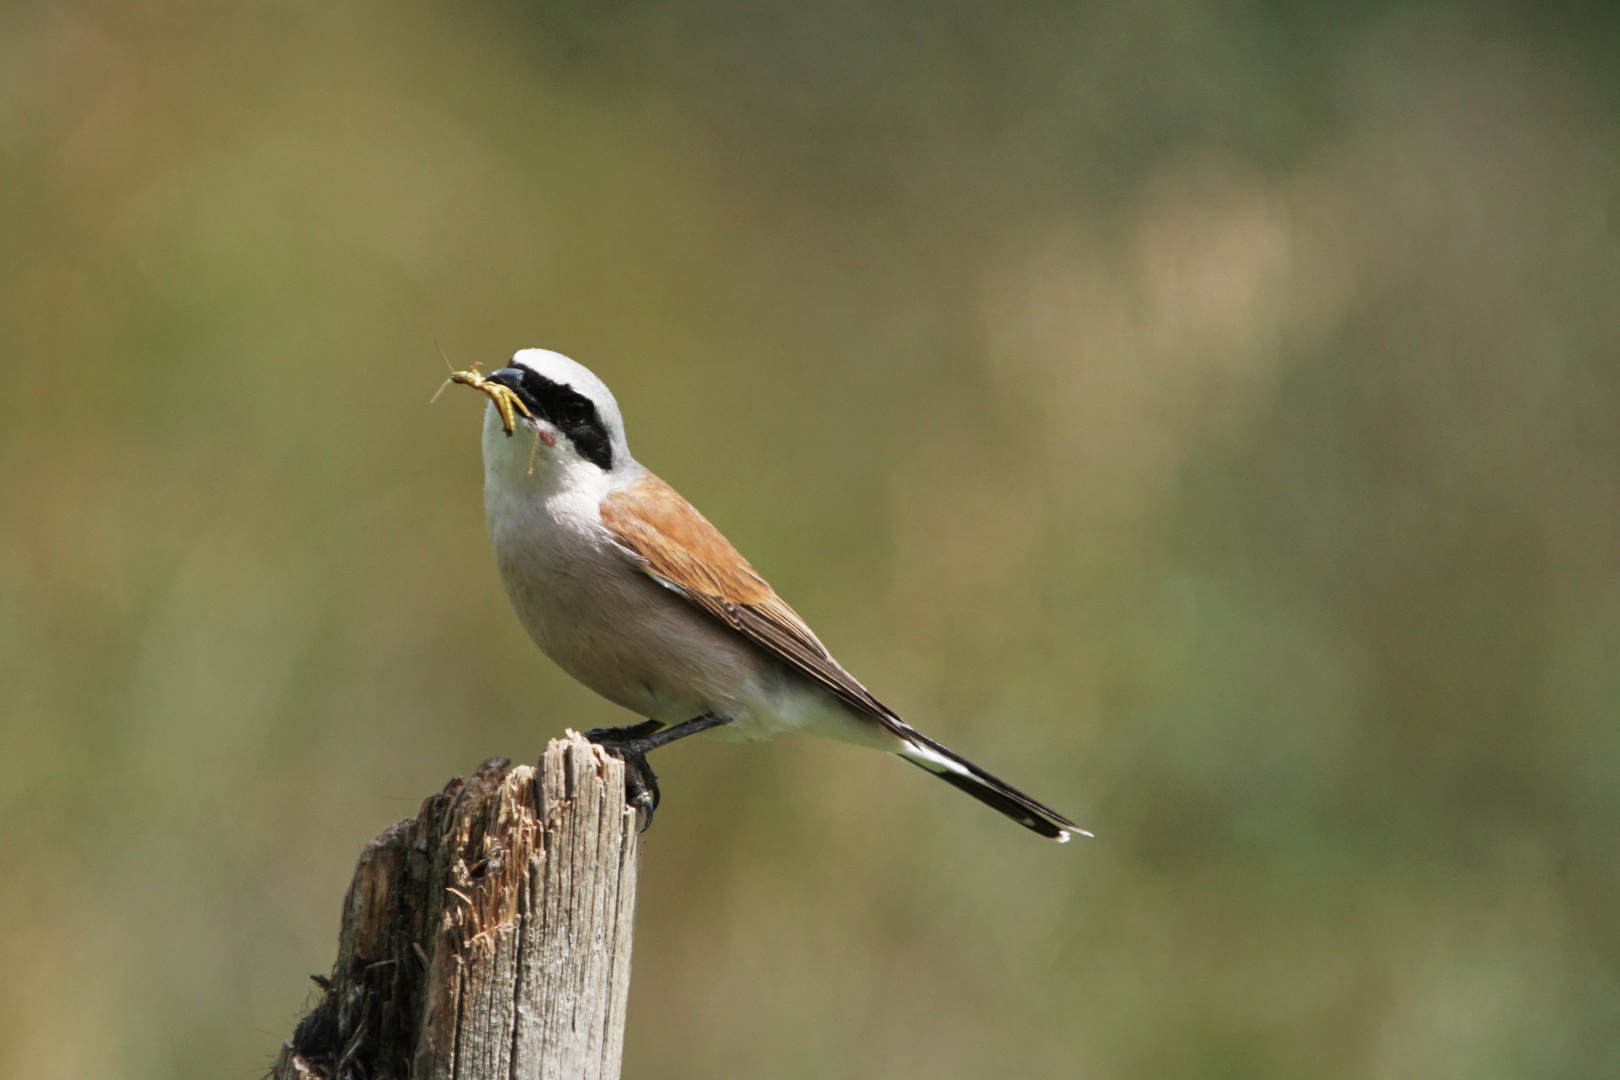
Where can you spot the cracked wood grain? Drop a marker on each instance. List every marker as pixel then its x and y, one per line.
pixel 489 937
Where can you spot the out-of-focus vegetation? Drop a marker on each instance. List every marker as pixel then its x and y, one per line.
pixel 1202 413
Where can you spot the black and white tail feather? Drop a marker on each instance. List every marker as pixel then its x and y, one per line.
pixel 994 792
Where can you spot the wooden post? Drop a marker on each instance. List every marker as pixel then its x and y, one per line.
pixel 488 938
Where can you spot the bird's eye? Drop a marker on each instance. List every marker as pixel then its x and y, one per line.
pixel 576 411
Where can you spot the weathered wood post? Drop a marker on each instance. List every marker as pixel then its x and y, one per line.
pixel 488 938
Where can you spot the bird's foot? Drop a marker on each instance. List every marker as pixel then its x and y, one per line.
pixel 630 745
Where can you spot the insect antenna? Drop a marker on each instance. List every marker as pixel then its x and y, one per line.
pixel 434 399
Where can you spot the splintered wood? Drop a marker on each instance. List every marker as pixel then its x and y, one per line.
pixel 488 938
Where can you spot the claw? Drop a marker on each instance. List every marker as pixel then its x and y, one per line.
pixel 641 787
pixel 629 746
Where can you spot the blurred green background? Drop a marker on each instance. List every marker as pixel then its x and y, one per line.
pixel 1202 413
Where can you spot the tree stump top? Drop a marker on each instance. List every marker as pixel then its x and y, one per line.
pixel 488 937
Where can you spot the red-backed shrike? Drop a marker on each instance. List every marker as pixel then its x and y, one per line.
pixel 632 592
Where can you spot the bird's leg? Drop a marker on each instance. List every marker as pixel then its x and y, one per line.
pixel 632 745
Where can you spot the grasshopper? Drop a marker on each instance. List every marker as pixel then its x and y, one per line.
pixel 505 398
pixel 507 403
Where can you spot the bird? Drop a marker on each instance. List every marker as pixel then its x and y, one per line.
pixel 631 591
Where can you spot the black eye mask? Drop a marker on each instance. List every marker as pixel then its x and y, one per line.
pixel 570 412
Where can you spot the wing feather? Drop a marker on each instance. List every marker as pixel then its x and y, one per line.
pixel 669 540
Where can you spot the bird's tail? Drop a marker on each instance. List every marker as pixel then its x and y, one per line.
pixel 956 770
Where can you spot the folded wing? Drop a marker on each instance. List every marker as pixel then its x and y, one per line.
pixel 668 539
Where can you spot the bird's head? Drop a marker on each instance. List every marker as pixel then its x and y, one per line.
pixel 568 415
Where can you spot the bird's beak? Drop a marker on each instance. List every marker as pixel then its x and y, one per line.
pixel 509 377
